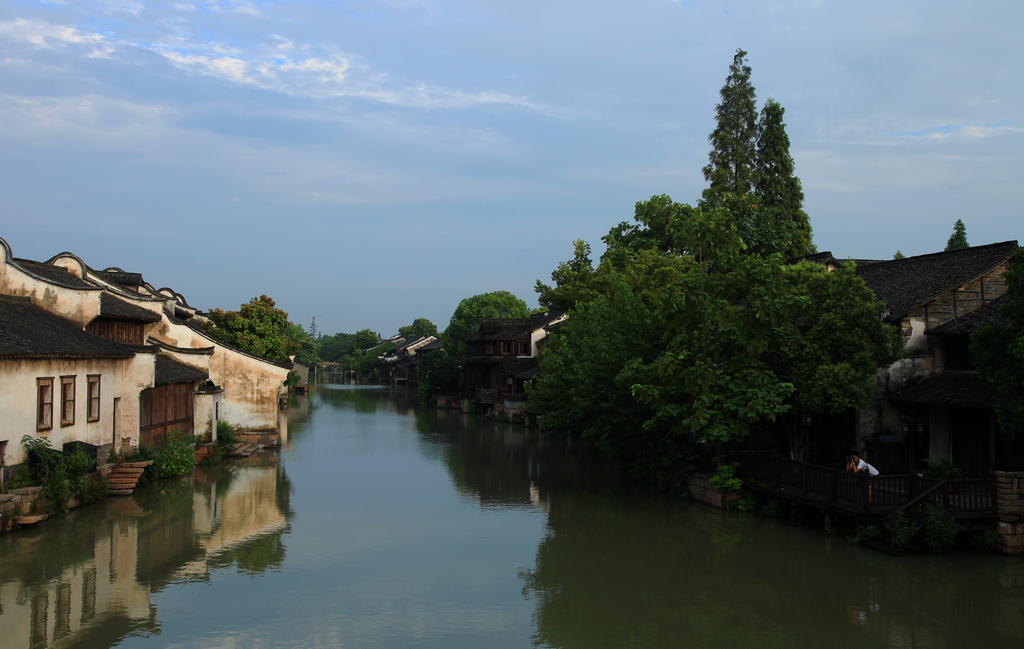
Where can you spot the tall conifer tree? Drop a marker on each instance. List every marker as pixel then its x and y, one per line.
pixel 958 240
pixel 777 188
pixel 731 162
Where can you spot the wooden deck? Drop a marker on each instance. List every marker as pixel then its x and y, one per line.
pixel 859 496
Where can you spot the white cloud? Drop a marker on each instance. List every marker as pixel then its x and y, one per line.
pixel 42 34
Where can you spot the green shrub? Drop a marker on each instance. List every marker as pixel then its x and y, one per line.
pixel 93 490
pixel 902 527
pixel 23 477
pixel 725 478
pixel 940 530
pixel 177 456
pixel 773 508
pixel 864 533
pixel 62 476
pixel 987 541
pixel 226 434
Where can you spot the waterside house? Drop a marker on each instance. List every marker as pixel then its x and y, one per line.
pixel 103 358
pixel 398 366
pixel 502 357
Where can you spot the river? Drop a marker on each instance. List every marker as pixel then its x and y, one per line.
pixel 380 525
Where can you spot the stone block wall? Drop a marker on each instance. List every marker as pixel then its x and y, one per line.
pixel 702 491
pixel 1010 508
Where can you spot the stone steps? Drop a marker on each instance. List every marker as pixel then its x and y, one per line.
pixel 242 449
pixel 125 476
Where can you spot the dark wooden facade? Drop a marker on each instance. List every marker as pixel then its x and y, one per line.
pixel 125 332
pixel 163 409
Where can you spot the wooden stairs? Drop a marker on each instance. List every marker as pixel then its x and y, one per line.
pixel 242 449
pixel 125 476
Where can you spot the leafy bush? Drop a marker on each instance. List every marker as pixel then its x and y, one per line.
pixel 177 456
pixel 93 490
pixel 226 434
pixel 940 530
pixel 943 469
pixel 987 541
pixel 725 478
pixel 772 508
pixel 864 533
pixel 23 477
pixel 62 475
pixel 902 527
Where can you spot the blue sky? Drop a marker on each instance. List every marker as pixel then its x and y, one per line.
pixel 374 162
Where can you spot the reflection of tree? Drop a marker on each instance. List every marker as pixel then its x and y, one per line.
pixel 252 557
pixel 365 399
pixel 622 569
pixel 507 465
pixel 649 574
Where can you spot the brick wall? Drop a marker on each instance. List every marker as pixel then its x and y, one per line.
pixel 1010 507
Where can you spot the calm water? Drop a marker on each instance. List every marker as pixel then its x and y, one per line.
pixel 378 526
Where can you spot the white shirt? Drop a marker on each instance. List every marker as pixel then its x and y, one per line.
pixel 862 465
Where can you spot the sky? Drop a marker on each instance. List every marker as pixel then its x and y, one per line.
pixel 369 163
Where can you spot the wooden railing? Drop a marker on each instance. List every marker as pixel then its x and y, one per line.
pixel 859 492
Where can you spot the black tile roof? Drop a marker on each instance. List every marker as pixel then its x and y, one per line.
pixel 957 389
pixel 170 371
pixel 28 332
pixel 114 307
pixel 53 274
pixel 512 328
pixel 118 276
pixel 520 368
pixel 967 324
pixel 905 284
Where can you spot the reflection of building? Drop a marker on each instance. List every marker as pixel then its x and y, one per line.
pixel 87 581
pixel 97 592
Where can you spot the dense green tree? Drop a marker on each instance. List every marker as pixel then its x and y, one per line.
pixel 833 343
pixel 899 255
pixel 958 240
pixel 335 348
pixel 420 328
pixel 300 344
pixel 783 225
pixel 258 327
pixel 713 379
pixel 731 167
pixel 437 374
pixel 365 339
pixel 572 280
pixel 473 310
pixel 998 352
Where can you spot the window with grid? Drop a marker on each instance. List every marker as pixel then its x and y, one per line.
pixel 44 404
pixel 67 401
pixel 94 397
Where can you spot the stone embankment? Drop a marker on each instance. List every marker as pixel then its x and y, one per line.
pixel 1010 507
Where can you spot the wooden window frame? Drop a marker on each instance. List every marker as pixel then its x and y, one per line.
pixel 67 418
pixel 44 409
pixel 93 410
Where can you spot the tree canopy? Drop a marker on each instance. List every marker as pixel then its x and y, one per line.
pixel 473 310
pixel 998 352
pixel 258 327
pixel 732 160
pixel 420 328
pixel 958 239
pixel 687 339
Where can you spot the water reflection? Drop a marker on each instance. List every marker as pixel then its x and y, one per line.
pixel 87 580
pixel 620 568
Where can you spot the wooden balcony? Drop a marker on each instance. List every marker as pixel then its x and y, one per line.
pixel 858 495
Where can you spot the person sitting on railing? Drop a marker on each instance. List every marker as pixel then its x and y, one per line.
pixel 857 465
